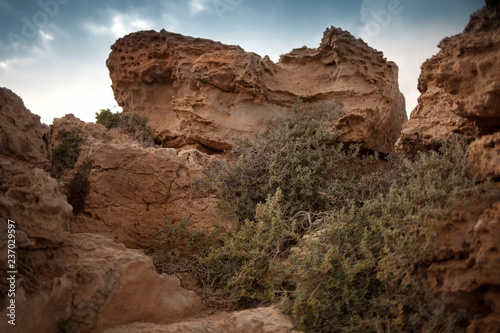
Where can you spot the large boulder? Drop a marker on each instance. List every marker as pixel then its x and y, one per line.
pixel 197 91
pixel 62 279
pixel 260 320
pixel 460 86
pixel 135 190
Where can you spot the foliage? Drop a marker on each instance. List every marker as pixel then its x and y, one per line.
pixel 133 124
pixel 247 270
pixel 77 187
pixel 65 155
pixel 68 326
pixel 177 246
pixel 299 155
pixel 365 270
pixel 344 242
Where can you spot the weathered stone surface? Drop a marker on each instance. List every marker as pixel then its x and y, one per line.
pixel 460 86
pixel 197 91
pixel 466 267
pixel 22 136
pixel 28 194
pixel 260 320
pixel 99 284
pixel 85 277
pixel 134 190
pixel 485 156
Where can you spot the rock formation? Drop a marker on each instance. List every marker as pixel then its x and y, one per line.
pixel 466 266
pixel 260 320
pixel 196 91
pixel 460 89
pixel 134 190
pixel 83 277
pixel 460 86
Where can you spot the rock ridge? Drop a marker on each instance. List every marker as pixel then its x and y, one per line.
pixel 197 91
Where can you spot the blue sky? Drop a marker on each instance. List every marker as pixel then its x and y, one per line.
pixel 53 52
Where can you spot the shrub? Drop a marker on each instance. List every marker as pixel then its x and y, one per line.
pixel 77 187
pixel 132 124
pixel 344 243
pixel 68 326
pixel 107 118
pixel 177 245
pixel 365 273
pixel 299 155
pixel 65 155
pixel 247 270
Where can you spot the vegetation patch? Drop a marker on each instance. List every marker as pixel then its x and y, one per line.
pixel 77 187
pixel 133 124
pixel 65 155
pixel 341 241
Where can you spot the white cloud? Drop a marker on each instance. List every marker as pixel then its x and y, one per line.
pixel 198 6
pixel 11 64
pixel 121 24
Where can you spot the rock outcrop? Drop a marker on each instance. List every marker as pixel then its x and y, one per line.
pixel 466 265
pixel 460 89
pixel 22 136
pixel 460 86
pixel 260 320
pixel 197 91
pixel 62 278
pixel 135 190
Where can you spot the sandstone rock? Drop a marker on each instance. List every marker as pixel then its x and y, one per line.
pixel 197 91
pixel 100 284
pixel 84 278
pixel 466 267
pixel 460 86
pixel 28 194
pixel 21 134
pixel 32 199
pixel 134 190
pixel 485 156
pixel 261 320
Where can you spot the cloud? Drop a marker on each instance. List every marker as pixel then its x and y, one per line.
pixel 121 24
pixel 198 6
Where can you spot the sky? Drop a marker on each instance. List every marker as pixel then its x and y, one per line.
pixel 53 52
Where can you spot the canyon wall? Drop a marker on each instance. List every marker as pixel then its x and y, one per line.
pixel 460 93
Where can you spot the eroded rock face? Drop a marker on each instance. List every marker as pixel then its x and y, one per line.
pixel 485 156
pixel 85 277
pixel 460 86
pixel 22 136
pixel 466 268
pixel 134 190
pixel 260 320
pixel 196 91
pixel 98 284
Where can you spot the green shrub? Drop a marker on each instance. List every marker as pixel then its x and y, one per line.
pixel 247 270
pixel 132 124
pixel 68 326
pixel 299 155
pixel 65 155
pixel 177 245
pixel 365 272
pixel 344 242
pixel 77 187
pixel 107 118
